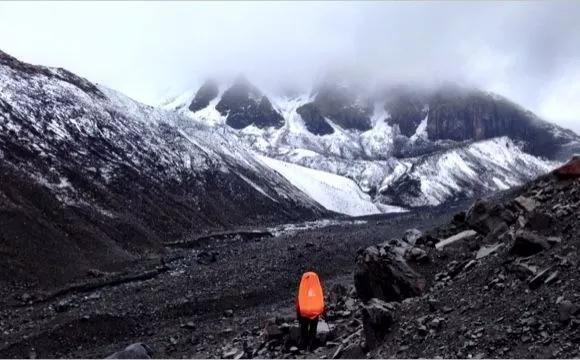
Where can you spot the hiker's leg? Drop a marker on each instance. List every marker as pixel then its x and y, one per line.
pixel 304 322
pixel 313 326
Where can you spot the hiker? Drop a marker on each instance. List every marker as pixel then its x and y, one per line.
pixel 309 306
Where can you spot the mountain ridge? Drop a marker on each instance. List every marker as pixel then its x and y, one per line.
pixel 93 179
pixel 378 132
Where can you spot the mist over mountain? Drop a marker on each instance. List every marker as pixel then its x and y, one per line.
pixel 171 171
pixel 526 51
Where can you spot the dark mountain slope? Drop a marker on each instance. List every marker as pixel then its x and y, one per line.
pixel 92 178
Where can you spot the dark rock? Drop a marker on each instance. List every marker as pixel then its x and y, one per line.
pixel 385 275
pixel 526 203
pixel 337 293
pixel 427 240
pixel 229 313
pixel 378 317
pixel 433 304
pixel 133 351
pixel 459 218
pixel 411 236
pixel 63 305
pixel 294 334
pixel 539 221
pixel 314 121
pixel 455 267
pixel 273 332
pixel 508 216
pixel 527 243
pixel 447 309
pixel 485 217
pixel 523 270
pixel 206 257
pixel 352 351
pixel 566 310
pixel 539 279
pixel 417 255
pixel 206 93
pixel 435 324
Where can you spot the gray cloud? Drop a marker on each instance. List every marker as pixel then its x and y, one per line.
pixel 527 51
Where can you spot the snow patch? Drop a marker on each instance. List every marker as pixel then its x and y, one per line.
pixel 334 192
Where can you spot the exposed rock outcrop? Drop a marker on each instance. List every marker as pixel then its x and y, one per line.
pixel 206 93
pixel 314 121
pixel 244 105
pixel 383 273
pixel 343 106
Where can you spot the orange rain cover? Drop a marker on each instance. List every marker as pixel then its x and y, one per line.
pixel 310 300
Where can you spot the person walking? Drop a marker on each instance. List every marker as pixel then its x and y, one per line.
pixel 309 307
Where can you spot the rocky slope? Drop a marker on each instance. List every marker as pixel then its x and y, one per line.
pixel 92 180
pixel 392 141
pixel 500 281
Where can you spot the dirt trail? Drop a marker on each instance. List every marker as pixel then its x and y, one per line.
pixel 193 309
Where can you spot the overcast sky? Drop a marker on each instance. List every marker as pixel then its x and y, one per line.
pixel 527 51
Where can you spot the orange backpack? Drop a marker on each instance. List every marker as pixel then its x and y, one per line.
pixel 310 299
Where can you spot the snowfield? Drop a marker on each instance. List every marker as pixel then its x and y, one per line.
pixel 334 192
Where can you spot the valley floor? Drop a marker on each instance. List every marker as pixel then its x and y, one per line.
pixel 193 309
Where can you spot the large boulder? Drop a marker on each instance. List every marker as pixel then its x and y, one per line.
pixel 487 218
pixel 383 273
pixel 540 221
pixel 527 243
pixel 378 317
pixel 411 236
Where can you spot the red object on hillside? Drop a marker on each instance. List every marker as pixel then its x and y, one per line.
pixel 569 170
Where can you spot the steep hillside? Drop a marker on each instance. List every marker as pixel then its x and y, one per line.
pixel 499 281
pixel 91 179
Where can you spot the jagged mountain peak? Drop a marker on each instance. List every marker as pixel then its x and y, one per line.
pixel 206 93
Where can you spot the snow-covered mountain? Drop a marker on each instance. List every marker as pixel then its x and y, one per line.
pixel 90 178
pixel 402 146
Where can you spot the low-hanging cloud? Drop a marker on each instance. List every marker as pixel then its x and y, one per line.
pixel 527 51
